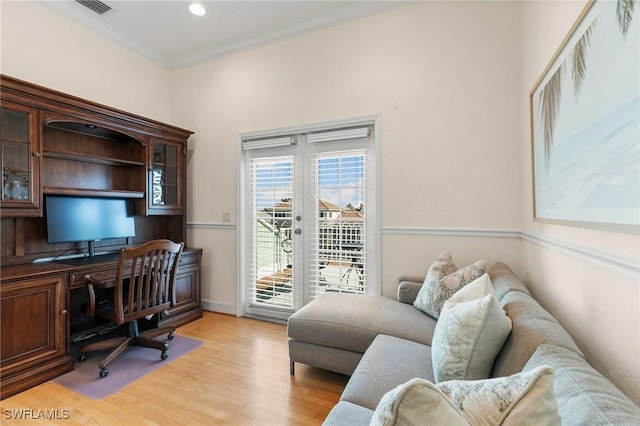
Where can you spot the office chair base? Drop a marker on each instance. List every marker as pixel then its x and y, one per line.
pixel 120 344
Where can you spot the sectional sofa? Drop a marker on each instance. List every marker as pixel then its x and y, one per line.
pixel 384 343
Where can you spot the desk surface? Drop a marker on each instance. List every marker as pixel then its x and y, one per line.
pixel 88 261
pixel 31 270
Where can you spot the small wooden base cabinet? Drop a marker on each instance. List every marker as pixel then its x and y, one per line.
pixel 52 143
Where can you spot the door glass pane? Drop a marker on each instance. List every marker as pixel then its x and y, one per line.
pixel 271 202
pixel 338 255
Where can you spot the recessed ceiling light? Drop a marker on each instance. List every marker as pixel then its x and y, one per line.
pixel 197 9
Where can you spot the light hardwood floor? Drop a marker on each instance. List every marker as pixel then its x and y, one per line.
pixel 239 376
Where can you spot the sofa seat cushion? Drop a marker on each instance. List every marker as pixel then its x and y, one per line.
pixel 352 321
pixel 389 362
pixel 345 413
pixel 532 326
pixel 584 395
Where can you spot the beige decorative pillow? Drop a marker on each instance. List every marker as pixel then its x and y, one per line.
pixel 469 334
pixel 522 399
pixel 442 281
pixel 417 402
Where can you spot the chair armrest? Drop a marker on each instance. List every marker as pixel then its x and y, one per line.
pixel 408 288
pixel 91 283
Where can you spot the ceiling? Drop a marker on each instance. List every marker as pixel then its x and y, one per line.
pixel 167 33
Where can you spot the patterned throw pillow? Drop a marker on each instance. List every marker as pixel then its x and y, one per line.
pixel 522 399
pixel 442 281
pixel 417 402
pixel 469 334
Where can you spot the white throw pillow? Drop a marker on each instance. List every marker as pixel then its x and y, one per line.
pixel 469 334
pixel 442 281
pixel 522 399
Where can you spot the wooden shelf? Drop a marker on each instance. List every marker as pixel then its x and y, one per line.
pixel 111 193
pixel 86 158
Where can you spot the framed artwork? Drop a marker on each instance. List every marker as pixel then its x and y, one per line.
pixel 585 123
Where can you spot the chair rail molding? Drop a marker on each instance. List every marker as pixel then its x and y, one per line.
pixel 628 268
pixel 450 232
pixel 211 225
pixel 624 267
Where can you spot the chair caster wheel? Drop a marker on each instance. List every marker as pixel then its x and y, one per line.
pixel 170 336
pixel 164 355
pixel 104 371
pixel 82 358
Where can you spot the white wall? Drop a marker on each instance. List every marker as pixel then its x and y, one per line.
pixel 43 47
pixel 443 79
pixel 587 279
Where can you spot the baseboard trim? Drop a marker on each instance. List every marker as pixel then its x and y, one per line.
pixel 224 308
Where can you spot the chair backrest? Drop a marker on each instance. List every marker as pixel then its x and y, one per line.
pixel 145 279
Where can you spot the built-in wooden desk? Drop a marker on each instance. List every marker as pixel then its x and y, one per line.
pixel 39 316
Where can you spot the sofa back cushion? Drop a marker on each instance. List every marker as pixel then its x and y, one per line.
pixel 531 326
pixel 504 280
pixel 584 396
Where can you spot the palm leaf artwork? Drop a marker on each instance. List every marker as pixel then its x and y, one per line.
pixel 624 10
pixel 549 109
pixel 578 60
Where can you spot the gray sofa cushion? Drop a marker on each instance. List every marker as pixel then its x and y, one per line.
pixel 352 321
pixel 504 280
pixel 348 414
pixel 584 396
pixel 531 326
pixel 388 362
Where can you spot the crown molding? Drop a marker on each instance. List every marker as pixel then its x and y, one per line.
pixel 281 33
pixel 69 9
pixel 72 11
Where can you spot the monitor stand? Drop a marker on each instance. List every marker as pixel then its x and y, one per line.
pixel 92 249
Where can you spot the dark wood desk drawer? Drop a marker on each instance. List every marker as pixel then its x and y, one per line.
pixel 77 278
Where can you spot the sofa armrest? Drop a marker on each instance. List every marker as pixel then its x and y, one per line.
pixel 408 288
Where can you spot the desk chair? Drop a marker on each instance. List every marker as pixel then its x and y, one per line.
pixel 144 286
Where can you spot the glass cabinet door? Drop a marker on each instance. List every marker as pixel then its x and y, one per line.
pixel 19 156
pixel 165 177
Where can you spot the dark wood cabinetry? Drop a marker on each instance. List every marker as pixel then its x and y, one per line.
pixel 187 307
pixel 165 177
pixel 20 158
pixel 34 331
pixel 52 143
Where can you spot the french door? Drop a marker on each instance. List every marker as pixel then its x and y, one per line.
pixel 309 219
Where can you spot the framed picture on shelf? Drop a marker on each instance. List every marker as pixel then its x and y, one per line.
pixel 585 123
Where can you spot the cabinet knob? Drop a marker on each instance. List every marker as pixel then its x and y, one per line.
pixel 64 312
pixel 36 154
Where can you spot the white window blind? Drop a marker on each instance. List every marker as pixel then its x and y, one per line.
pixel 269 270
